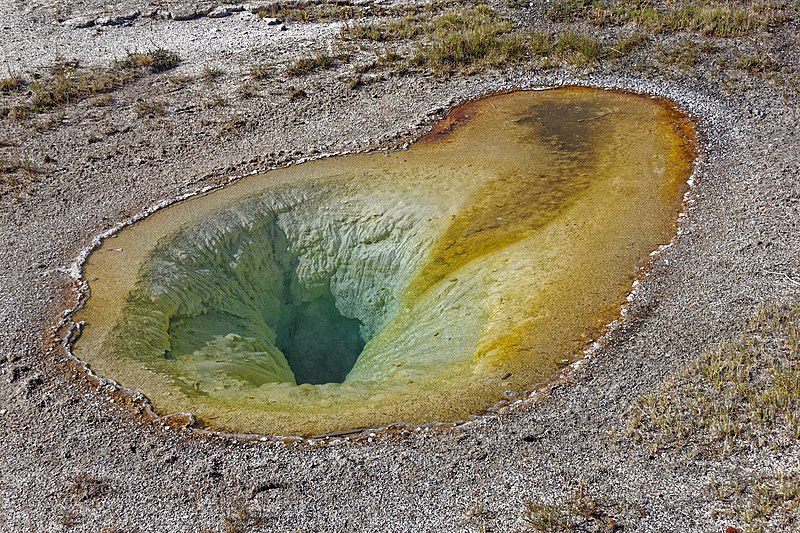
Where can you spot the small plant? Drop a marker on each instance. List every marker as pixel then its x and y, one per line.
pixel 539 44
pixel 685 53
pixel 102 100
pixel 354 82
pixel 158 60
pixel 181 80
pixel 756 64
pixel 241 519
pixel 260 71
pixel 580 48
pixel 308 64
pixel 13 166
pixel 233 124
pixel 85 487
pixel 626 45
pixel 390 57
pixel 211 74
pixel 149 108
pixel 545 517
pixel 216 100
pixel 295 94
pixel 575 514
pixel 247 90
pixel 11 85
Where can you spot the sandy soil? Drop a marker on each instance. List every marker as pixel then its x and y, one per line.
pixel 74 459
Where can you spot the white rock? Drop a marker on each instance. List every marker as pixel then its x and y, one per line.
pixel 79 22
pixel 219 12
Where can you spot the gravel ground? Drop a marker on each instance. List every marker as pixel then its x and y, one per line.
pixel 74 459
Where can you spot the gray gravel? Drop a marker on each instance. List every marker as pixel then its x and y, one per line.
pixel 73 459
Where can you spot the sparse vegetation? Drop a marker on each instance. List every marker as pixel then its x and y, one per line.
pixel 756 64
pixel 247 90
pixel 85 487
pixel 17 174
pixel 158 60
pixel 576 513
pixel 295 94
pixel 709 18
pixel 235 123
pixel 69 82
pixel 149 108
pixel 760 503
pixel 581 47
pixel 260 71
pixel 477 37
pixel 181 80
pixel 216 100
pixel 686 53
pixel 241 520
pixel 11 84
pixel 211 73
pixel 474 36
pixel 17 165
pixel 745 394
pixel 309 64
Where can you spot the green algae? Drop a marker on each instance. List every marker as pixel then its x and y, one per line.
pixel 417 286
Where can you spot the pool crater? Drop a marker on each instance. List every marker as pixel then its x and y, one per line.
pixel 417 286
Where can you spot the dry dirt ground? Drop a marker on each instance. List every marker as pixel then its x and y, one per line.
pixel 73 459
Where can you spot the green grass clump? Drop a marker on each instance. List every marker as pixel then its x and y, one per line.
pixel 745 394
pixel 756 64
pixel 586 47
pixel 309 64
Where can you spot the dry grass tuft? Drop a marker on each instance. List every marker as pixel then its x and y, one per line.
pixel 17 174
pixel 11 85
pixel 580 512
pixel 312 63
pixel 84 487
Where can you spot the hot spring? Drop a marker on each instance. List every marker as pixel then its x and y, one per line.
pixel 418 286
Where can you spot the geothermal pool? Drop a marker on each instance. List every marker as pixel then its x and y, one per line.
pixel 419 286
